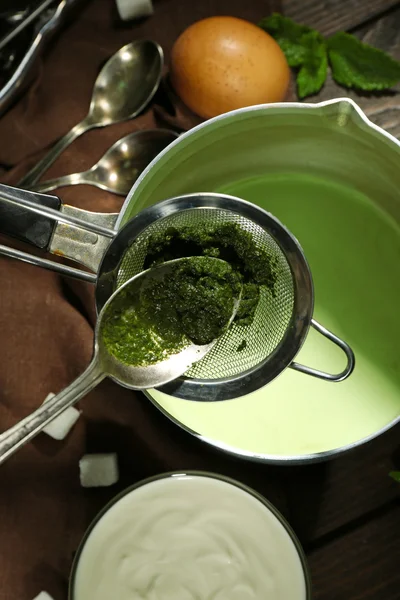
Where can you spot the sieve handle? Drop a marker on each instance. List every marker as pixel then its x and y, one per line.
pixel 42 221
pixel 19 222
pixel 339 342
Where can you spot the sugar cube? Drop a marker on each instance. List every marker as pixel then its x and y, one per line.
pixel 98 470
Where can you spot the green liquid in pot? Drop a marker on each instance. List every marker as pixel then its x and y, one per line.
pixel 353 249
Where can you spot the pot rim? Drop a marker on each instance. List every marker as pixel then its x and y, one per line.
pixel 249 109
pixel 292 339
pixel 274 459
pixel 232 451
pixel 194 473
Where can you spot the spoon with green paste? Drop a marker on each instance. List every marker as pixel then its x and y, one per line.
pixel 149 332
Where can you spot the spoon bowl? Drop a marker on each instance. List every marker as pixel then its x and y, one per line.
pixel 124 86
pixel 120 166
pixel 104 363
pixel 126 83
pixel 174 365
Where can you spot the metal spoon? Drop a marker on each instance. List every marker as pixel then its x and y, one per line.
pixel 120 166
pixel 105 364
pixel 124 86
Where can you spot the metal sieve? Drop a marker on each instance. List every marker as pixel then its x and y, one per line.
pixel 274 311
pixel 282 319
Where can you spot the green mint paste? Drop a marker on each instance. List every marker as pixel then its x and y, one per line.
pixel 193 303
pixel 228 242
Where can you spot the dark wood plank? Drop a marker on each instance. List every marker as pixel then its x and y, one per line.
pixel 382 109
pixel 329 16
pixel 385 34
pixel 363 565
pixel 330 496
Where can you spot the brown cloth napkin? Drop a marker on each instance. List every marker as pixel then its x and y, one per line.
pixel 46 321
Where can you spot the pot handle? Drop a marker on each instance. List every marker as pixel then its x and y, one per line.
pixel 21 223
pixel 321 374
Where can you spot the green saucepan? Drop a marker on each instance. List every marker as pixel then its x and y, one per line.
pixel 333 178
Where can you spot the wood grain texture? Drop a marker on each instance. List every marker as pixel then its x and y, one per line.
pixel 384 110
pixel 329 16
pixel 329 497
pixel 363 565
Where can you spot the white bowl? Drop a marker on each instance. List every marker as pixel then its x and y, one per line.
pixel 189 535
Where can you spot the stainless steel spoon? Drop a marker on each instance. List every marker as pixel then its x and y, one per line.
pixel 124 86
pixel 120 166
pixel 104 364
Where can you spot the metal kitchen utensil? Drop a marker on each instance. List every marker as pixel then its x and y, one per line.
pixel 282 320
pixel 104 364
pixel 124 86
pixel 23 23
pixel 120 166
pixel 27 53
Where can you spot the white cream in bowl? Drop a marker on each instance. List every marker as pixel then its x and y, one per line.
pixel 189 537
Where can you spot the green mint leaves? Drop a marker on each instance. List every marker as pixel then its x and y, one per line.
pixel 395 475
pixel 314 69
pixel 358 65
pixel 290 37
pixel 353 64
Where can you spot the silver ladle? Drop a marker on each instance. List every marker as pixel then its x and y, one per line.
pixel 120 166
pixel 124 86
pixel 104 364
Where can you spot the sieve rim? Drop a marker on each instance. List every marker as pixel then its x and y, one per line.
pixel 211 390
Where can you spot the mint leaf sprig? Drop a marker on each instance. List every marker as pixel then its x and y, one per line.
pixel 395 475
pixel 353 63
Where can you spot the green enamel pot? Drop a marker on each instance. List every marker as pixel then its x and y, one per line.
pixel 333 178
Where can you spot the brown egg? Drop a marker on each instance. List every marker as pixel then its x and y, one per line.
pixel 222 63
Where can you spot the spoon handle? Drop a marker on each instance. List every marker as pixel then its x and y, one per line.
pixel 28 428
pixel 34 174
pixel 57 182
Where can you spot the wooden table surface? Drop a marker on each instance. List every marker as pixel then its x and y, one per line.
pixel 347 512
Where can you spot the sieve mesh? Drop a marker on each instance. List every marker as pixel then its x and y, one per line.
pixel 274 311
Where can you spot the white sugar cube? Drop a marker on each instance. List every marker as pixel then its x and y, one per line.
pixel 60 427
pixel 43 596
pixel 134 9
pixel 98 470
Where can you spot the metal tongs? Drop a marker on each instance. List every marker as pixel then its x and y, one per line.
pixel 20 20
pixel 27 19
